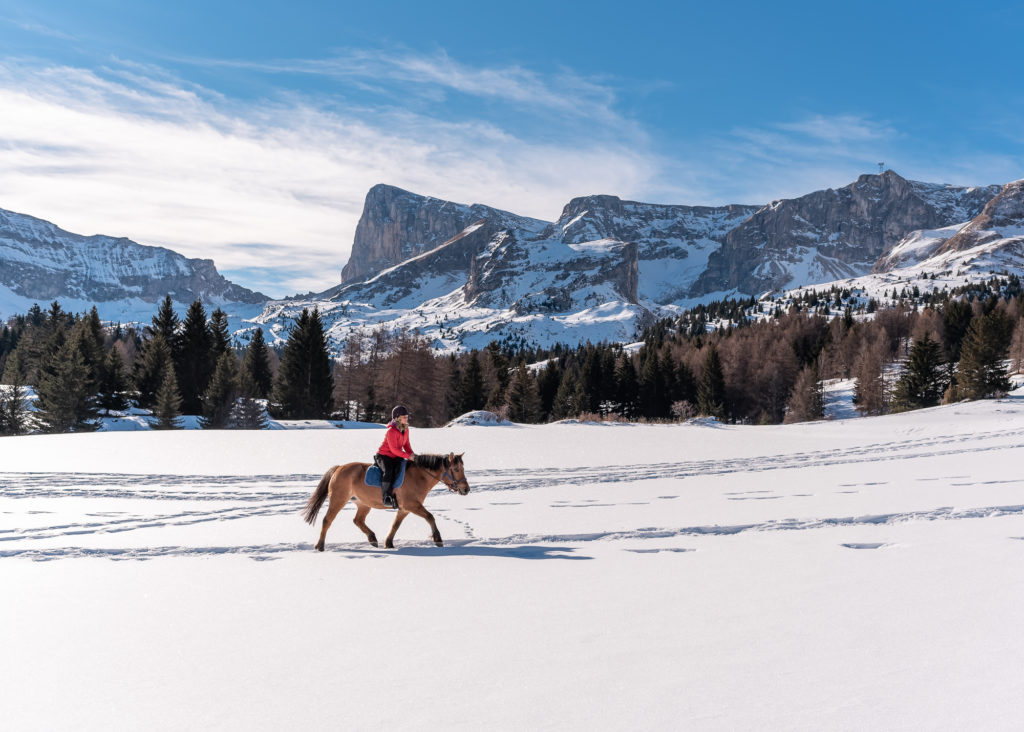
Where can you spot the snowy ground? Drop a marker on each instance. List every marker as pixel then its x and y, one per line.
pixel 853 574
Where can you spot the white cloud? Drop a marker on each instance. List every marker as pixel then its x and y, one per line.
pixel 131 151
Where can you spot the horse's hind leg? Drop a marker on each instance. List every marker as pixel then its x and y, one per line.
pixel 338 501
pixel 389 543
pixel 360 520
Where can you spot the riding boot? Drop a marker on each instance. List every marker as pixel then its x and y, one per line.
pixel 388 495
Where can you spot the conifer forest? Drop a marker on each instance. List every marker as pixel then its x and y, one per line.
pixel 751 361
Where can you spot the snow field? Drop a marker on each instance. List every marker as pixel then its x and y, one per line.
pixel 855 574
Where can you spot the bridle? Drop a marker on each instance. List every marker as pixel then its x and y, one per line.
pixel 446 473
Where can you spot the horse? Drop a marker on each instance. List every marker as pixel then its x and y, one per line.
pixel 345 482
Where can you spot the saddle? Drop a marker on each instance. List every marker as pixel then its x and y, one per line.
pixel 373 476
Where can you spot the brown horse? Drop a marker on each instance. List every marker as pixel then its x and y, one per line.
pixel 345 482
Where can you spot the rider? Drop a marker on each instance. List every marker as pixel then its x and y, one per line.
pixel 392 451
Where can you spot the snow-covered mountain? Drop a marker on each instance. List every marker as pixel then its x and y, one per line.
pixel 606 267
pixel 41 262
pixel 464 275
pixel 832 234
pixel 990 243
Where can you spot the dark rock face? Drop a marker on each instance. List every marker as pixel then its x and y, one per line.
pixel 396 225
pixel 833 233
pixel 38 260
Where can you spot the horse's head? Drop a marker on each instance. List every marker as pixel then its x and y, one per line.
pixel 455 474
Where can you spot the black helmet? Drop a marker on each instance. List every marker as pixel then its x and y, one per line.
pixel 399 411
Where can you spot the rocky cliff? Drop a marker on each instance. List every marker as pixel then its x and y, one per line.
pixel 832 234
pixel 41 261
pixel 396 225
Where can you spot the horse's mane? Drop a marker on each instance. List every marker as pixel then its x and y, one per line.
pixel 431 462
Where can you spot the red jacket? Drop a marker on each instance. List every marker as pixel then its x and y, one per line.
pixel 396 443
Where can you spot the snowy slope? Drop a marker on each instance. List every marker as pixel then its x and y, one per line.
pixel 858 574
pixel 40 262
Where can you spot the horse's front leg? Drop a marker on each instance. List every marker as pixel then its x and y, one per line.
pixel 420 510
pixel 389 543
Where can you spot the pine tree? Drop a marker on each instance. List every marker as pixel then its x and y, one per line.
pixel 588 385
pixel 807 402
pixel 14 415
pixel 219 399
pixel 547 386
pixel 472 387
pixel 304 388
pixel 655 401
pixel 220 335
pixel 627 388
pixel 981 373
pixel 523 397
pixel 64 398
pixel 923 380
pixel 165 322
pixel 150 369
pixel 565 406
pixel 113 383
pixel 168 401
pixel 256 366
pixel 193 365
pixel 711 390
pixel 247 414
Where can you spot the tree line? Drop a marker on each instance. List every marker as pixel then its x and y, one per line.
pixel 767 369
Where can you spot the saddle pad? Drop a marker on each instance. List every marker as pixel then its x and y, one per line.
pixel 373 475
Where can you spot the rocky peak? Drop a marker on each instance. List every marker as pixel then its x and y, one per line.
pixel 397 224
pixel 41 261
pixel 832 234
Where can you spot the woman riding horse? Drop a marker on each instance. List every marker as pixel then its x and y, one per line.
pixel 392 452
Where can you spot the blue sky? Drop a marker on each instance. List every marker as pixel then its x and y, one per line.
pixel 249 132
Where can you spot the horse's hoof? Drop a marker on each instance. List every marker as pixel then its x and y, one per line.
pixel 390 545
pixel 438 543
pixel 319 547
pixel 373 543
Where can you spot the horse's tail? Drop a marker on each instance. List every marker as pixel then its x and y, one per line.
pixel 319 496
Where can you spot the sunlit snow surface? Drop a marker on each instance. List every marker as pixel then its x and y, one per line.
pixel 848 574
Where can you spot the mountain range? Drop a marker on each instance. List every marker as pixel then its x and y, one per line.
pixel 464 275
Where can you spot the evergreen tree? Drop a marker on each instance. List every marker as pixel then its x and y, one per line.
pixel 472 388
pixel 64 398
pixel 547 386
pixel 165 322
pixel 922 382
pixel 14 415
pixel 523 397
pixel 588 384
pixel 113 383
pixel 807 402
pixel 150 369
pixel 564 405
pixel 168 401
pixel 655 400
pixel 220 336
pixel 247 414
pixel 219 399
pixel 452 397
pixel 304 386
pixel 256 366
pixel 711 390
pixel 193 364
pixel 981 372
pixel 627 394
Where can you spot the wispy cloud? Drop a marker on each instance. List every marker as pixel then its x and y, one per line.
pixel 131 150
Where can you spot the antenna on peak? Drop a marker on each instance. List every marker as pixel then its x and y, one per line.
pixel 881 168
